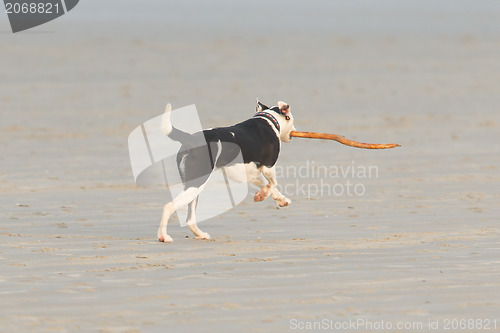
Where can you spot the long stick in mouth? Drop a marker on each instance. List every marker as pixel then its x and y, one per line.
pixel 342 140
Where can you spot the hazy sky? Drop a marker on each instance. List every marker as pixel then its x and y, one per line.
pixel 444 16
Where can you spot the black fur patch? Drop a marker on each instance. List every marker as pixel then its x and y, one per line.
pixel 254 138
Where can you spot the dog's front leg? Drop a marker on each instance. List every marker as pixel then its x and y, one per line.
pixel 270 174
pixel 260 181
pixel 270 188
pixel 280 198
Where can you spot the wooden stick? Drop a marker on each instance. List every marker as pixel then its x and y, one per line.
pixel 342 140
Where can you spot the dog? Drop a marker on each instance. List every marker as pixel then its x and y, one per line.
pixel 257 139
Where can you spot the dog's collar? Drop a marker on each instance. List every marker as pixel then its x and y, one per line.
pixel 268 116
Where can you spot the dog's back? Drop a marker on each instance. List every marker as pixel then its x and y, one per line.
pixel 254 138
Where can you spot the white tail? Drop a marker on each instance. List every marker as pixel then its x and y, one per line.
pixel 166 125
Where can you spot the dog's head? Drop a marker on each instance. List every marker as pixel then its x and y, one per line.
pixel 283 115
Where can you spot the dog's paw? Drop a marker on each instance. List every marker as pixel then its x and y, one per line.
pixel 285 202
pixel 258 196
pixel 165 238
pixel 203 235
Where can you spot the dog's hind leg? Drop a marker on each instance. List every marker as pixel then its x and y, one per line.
pixel 184 198
pixel 168 209
pixel 191 221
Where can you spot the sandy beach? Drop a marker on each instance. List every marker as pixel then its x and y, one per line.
pixel 418 244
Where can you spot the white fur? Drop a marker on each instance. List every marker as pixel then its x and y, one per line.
pixel 166 124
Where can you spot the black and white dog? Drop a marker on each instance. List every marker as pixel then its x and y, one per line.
pixel 257 139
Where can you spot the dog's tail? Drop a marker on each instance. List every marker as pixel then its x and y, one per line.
pixel 172 132
pixel 166 124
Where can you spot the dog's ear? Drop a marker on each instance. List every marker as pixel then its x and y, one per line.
pixel 261 107
pixel 285 108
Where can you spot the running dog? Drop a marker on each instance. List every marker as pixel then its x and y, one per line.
pixel 257 139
